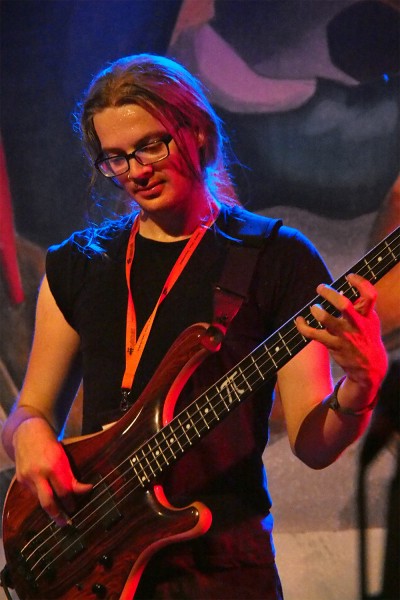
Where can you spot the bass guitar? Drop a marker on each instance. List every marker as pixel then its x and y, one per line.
pixel 126 518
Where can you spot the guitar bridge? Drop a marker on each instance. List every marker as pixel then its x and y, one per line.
pixel 69 544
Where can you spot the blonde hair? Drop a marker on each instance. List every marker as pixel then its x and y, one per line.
pixel 176 98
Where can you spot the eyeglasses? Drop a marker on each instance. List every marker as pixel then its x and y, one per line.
pixel 113 166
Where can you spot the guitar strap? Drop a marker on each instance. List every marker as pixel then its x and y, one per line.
pixel 247 233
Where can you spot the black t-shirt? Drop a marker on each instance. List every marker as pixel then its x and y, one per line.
pixel 226 469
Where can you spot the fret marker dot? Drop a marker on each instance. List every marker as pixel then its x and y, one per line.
pixel 171 440
pixel 188 426
pixel 379 258
pixel 277 349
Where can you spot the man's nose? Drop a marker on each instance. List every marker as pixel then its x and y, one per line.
pixel 139 171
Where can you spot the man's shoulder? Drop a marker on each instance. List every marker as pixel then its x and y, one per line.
pixel 107 239
pixel 248 227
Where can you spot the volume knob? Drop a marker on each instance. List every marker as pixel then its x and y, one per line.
pixel 106 561
pixel 99 590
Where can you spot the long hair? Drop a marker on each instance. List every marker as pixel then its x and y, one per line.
pixel 173 96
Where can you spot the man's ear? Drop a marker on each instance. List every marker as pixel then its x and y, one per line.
pixel 201 138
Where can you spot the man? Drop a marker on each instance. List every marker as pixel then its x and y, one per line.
pixel 115 298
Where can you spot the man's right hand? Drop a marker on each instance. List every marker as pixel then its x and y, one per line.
pixel 43 466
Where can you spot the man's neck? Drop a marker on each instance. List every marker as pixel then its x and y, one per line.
pixel 175 225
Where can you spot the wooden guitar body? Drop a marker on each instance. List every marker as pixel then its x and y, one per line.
pixel 126 518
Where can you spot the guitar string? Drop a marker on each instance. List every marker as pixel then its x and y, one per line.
pixel 178 417
pixel 205 394
pixel 144 456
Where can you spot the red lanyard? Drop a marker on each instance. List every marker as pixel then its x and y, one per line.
pixel 134 346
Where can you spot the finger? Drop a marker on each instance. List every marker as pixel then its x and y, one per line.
pixel 348 311
pixel 81 488
pixel 332 324
pixel 336 299
pixel 320 335
pixel 49 504
pixel 365 304
pixel 65 488
pixel 327 322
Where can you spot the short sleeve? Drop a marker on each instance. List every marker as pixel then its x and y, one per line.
pixel 65 268
pixel 290 269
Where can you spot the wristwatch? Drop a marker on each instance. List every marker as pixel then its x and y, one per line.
pixel 333 403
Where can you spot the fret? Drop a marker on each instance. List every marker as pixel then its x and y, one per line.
pixel 355 293
pixel 348 290
pixel 226 405
pixel 303 337
pixel 369 268
pixel 203 416
pixel 160 453
pixel 195 419
pixel 215 413
pixel 209 404
pixel 256 366
pixel 223 389
pixel 345 289
pixel 391 251
pixel 194 427
pixel 270 355
pixel 184 429
pixel 312 321
pixel 155 454
pixel 148 463
pixel 284 343
pixel 167 447
pixel 233 391
pixel 141 478
pixel 253 373
pixel 298 342
pixel 245 379
pixel 176 441
pixel 173 443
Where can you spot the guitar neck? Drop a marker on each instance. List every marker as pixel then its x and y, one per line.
pixel 203 414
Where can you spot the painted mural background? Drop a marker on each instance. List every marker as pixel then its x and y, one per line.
pixel 309 93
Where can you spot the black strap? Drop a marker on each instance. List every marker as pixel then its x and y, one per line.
pixel 247 235
pixel 251 229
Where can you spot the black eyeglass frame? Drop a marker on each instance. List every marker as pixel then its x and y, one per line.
pixel 165 139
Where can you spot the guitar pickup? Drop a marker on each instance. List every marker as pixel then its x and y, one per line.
pixel 103 505
pixel 69 541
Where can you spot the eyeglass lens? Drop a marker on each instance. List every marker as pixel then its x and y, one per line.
pixel 147 155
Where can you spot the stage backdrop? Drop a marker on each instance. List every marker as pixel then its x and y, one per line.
pixel 309 94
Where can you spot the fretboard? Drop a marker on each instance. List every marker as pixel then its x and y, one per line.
pixel 211 407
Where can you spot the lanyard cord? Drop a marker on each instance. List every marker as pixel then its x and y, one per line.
pixel 134 346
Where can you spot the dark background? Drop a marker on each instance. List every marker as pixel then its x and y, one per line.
pixel 336 155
